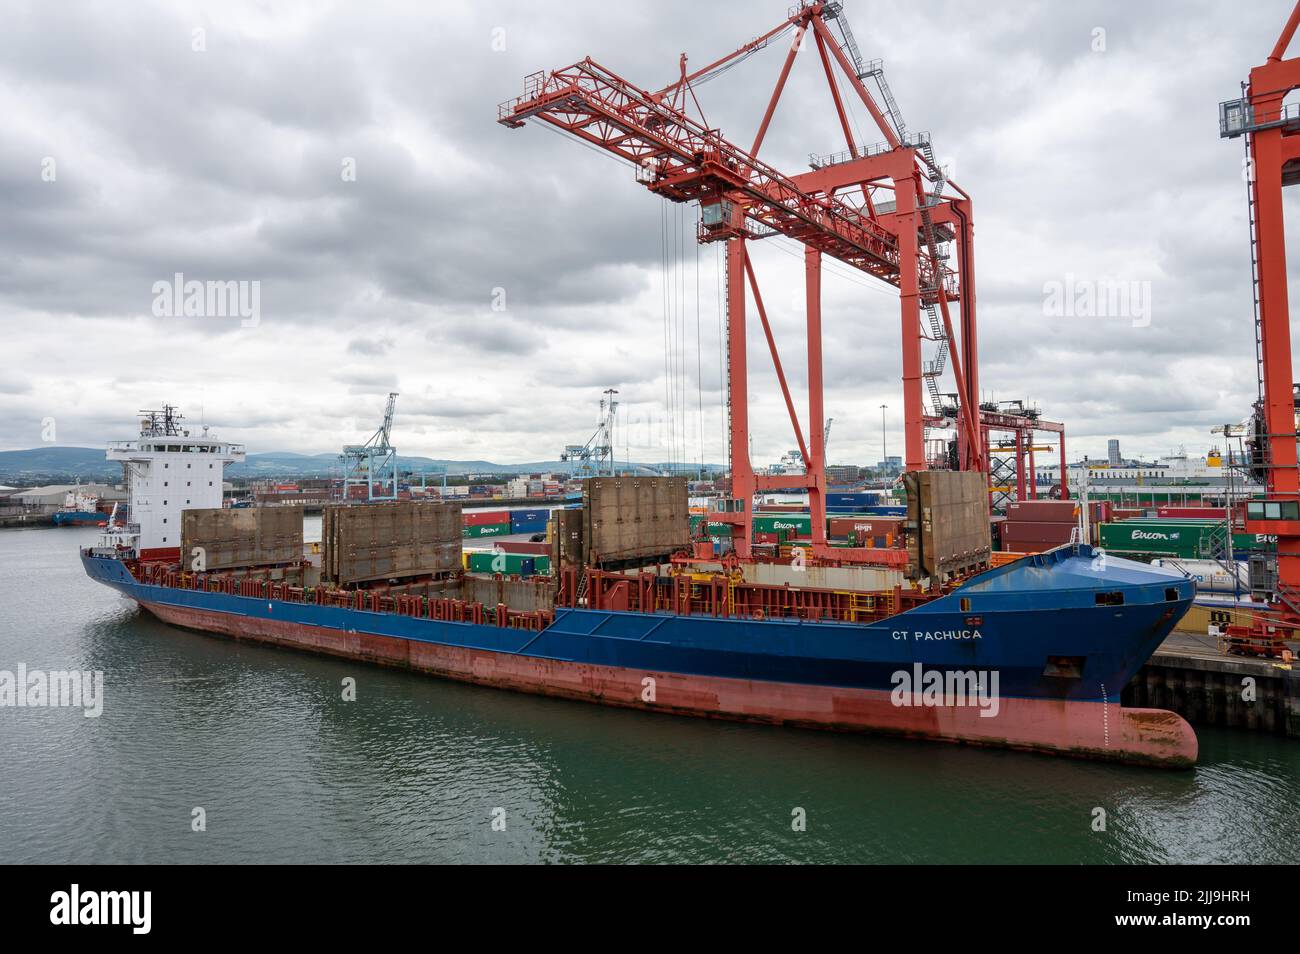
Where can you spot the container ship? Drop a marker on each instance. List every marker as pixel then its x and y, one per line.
pixel 636 610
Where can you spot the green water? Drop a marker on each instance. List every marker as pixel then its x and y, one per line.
pixel 413 770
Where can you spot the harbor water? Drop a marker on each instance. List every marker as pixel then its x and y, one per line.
pixel 261 746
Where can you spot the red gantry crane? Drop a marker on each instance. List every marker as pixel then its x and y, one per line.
pixel 1272 130
pixel 886 208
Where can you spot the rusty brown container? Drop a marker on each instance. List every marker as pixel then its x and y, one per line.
pixel 389 540
pixel 947 521
pixel 252 536
pixel 566 538
pixel 628 519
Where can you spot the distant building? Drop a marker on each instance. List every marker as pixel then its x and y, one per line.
pixel 890 464
pixel 841 473
pixel 1112 452
pixel 54 495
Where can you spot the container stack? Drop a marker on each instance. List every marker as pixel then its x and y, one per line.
pixel 487 523
pixel 1033 526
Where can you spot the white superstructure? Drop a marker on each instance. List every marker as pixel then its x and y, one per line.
pixel 168 470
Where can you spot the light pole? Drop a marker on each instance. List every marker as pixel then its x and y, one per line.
pixel 884 445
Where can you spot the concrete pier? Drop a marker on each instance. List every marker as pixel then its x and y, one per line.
pixel 1189 675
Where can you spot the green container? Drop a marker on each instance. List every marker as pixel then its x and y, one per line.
pixel 1190 539
pixel 485 530
pixel 715 529
pixel 1257 542
pixel 1165 538
pixel 508 563
pixel 800 524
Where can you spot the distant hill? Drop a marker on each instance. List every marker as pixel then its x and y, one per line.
pixel 53 463
pixel 41 462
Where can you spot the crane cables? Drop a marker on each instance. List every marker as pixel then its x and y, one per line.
pixel 699 363
pixel 677 228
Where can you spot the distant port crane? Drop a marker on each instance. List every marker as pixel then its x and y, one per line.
pixel 1271 127
pixel 596 457
pixel 887 209
pixel 373 465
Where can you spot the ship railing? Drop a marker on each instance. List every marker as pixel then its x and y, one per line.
pixel 447 609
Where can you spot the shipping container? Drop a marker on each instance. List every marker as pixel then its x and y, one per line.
pixel 510 564
pixel 1056 511
pixel 485 530
pixel 866 526
pixel 634 518
pixel 389 540
pixel 529 516
pixel 714 529
pixel 251 536
pixel 949 510
pixel 862 498
pixel 1014 531
pixel 527 526
pixel 524 546
pixel 1205 513
pixel 1180 537
pixel 800 524
pixel 473 517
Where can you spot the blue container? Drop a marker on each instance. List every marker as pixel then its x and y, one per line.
pixel 528 521
pixel 859 498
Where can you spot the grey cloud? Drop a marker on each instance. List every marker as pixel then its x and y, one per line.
pixel 226 165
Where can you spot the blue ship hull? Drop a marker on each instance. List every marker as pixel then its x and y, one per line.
pixel 76 518
pixel 1039 624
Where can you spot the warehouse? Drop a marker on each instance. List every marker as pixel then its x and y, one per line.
pixel 53 496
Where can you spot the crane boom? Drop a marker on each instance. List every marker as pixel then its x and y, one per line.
pixel 841 208
pixel 682 160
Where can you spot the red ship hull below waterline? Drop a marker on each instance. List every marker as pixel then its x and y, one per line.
pixel 1094 730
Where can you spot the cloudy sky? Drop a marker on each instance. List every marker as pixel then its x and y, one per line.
pixel 346 158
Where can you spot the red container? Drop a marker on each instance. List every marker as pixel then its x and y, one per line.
pixel 1200 513
pixel 477 517
pixel 522 546
pixel 1043 511
pixel 1057 511
pixel 766 538
pixel 1032 531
